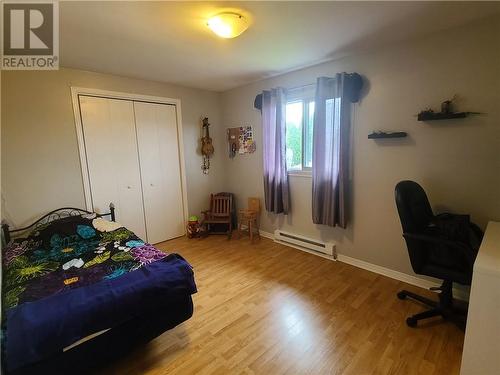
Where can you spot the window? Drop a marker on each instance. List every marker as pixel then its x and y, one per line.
pixel 299 133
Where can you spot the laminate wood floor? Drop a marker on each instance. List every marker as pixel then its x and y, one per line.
pixel 264 308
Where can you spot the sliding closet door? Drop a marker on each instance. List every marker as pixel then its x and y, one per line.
pixel 157 139
pixel 112 159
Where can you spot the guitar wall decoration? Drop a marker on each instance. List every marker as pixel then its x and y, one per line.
pixel 207 148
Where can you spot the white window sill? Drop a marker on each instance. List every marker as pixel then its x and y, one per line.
pixel 307 174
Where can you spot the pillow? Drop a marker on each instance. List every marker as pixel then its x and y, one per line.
pixel 104 225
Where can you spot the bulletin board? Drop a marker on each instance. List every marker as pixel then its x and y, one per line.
pixel 247 144
pixel 241 140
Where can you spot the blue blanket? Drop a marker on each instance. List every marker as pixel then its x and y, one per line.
pixel 38 329
pixel 68 280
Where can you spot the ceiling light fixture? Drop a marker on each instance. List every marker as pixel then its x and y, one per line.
pixel 227 25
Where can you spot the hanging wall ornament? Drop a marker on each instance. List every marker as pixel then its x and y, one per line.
pixel 207 148
pixel 206 164
pixel 233 139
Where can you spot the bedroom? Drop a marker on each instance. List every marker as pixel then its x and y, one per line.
pixel 260 306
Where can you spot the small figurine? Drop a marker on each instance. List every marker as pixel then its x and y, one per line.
pixel 447 105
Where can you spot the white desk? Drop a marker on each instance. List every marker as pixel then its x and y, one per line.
pixel 481 354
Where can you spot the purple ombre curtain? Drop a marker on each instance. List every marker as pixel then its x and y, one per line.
pixel 275 175
pixel 330 165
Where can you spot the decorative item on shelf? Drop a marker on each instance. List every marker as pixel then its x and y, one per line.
pixel 207 148
pixel 382 135
pixel 240 140
pixel 193 227
pixel 447 105
pixel 447 108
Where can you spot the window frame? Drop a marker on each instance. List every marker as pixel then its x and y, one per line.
pixel 306 97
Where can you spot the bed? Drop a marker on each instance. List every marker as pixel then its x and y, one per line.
pixel 79 290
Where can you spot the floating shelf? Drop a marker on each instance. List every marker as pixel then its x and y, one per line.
pixel 431 116
pixel 381 135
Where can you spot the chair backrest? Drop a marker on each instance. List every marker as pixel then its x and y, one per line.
pixel 415 213
pixel 254 204
pixel 220 205
pixel 436 258
pixel 414 209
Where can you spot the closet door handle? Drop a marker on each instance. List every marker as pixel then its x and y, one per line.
pixel 151 184
pixel 129 187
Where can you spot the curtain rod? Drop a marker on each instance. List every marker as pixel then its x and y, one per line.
pixel 301 87
pixel 353 82
pixel 258 99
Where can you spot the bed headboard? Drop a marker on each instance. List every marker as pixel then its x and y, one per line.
pixel 57 214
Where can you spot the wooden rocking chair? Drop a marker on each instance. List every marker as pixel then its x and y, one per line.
pixel 219 213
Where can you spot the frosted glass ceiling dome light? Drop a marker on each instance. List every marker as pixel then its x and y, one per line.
pixel 227 25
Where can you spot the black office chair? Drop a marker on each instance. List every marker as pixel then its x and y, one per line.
pixel 443 246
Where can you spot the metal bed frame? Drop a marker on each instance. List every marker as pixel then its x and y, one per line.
pixel 123 338
pixel 57 214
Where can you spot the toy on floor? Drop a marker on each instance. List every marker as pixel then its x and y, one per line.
pixel 193 227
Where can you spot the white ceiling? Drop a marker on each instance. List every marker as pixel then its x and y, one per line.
pixel 169 41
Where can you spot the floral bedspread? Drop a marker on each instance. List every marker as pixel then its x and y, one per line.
pixel 69 254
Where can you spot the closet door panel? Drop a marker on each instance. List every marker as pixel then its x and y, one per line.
pixel 112 159
pixel 157 140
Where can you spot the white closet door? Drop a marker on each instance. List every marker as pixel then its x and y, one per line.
pixel 112 159
pixel 157 139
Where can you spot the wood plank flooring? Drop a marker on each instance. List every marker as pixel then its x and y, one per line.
pixel 264 308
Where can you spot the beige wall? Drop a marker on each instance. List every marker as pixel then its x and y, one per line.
pixel 456 161
pixel 40 161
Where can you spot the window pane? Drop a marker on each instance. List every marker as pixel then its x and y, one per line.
pixel 309 136
pixel 294 112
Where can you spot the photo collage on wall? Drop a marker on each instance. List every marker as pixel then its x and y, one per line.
pixel 241 140
pixel 247 144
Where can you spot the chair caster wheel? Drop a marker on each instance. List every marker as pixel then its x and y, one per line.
pixel 401 295
pixel 411 322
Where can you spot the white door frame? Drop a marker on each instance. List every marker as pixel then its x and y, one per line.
pixel 76 91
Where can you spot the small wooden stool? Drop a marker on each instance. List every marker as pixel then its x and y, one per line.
pixel 250 217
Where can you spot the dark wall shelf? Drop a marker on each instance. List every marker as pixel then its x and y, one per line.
pixel 431 116
pixel 382 135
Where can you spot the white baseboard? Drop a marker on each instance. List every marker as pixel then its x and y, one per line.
pixel 409 279
pixel 266 234
pixel 400 276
